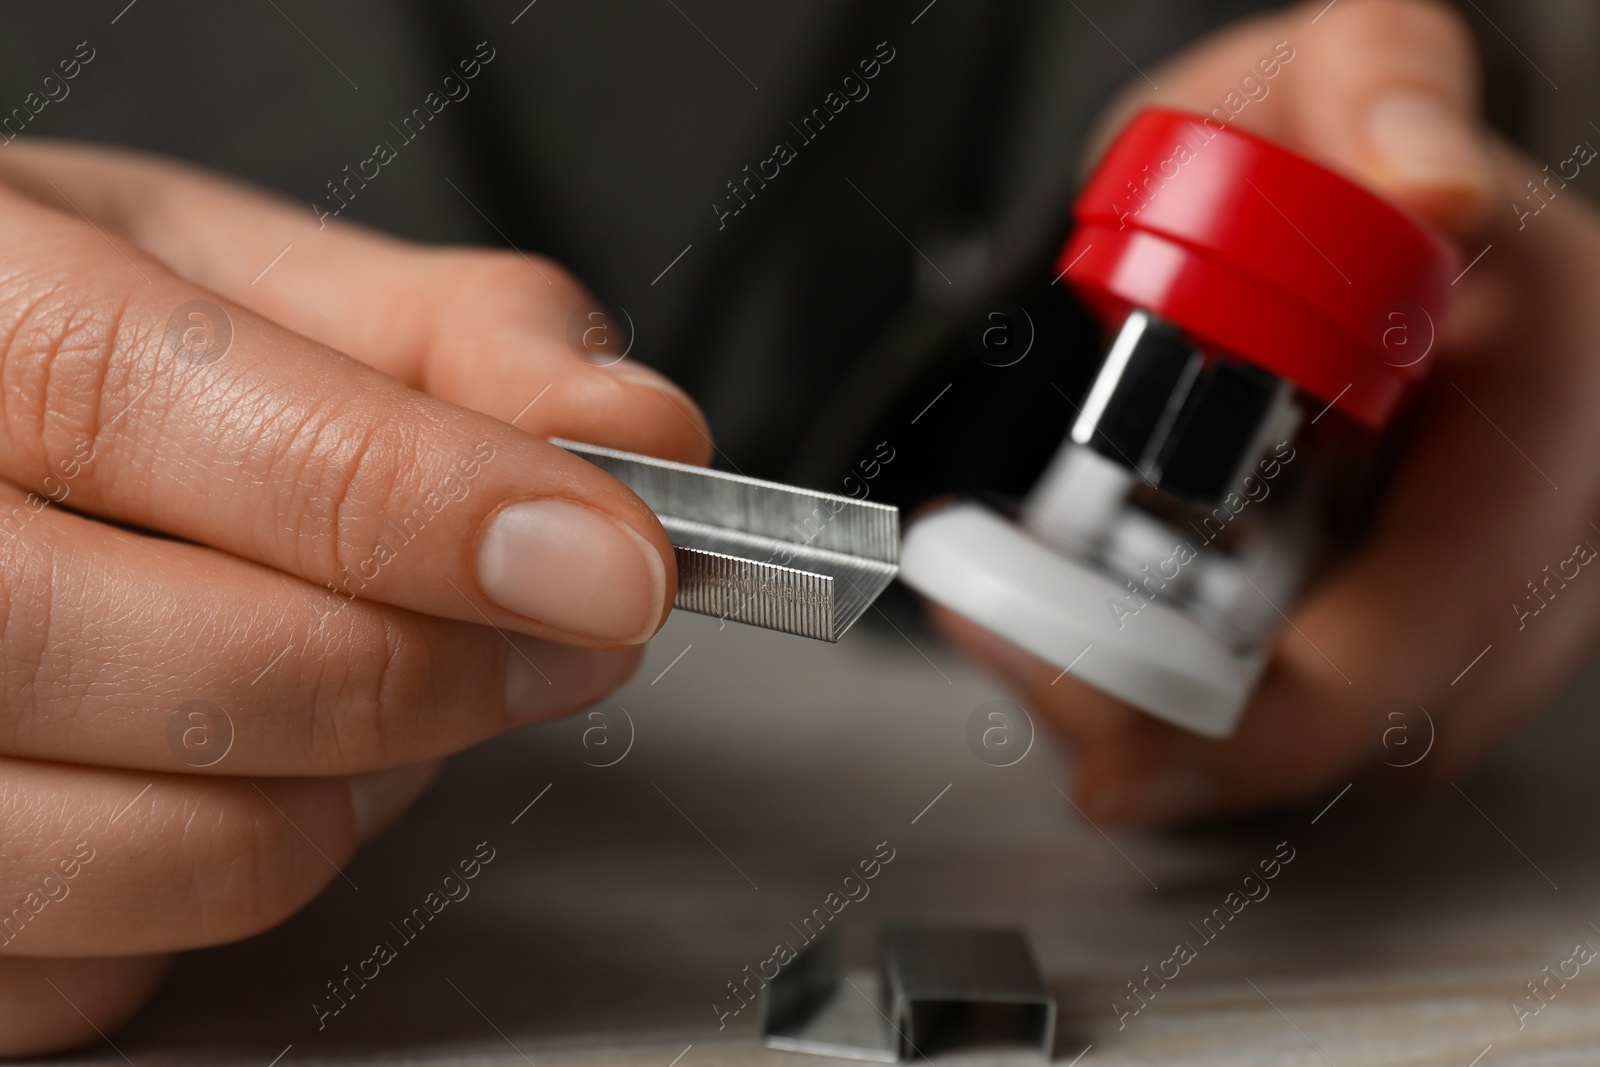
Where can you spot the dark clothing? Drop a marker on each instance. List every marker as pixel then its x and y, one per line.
pixel 800 204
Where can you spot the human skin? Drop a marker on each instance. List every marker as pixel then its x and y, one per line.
pixel 208 530
pixel 363 368
pixel 1386 92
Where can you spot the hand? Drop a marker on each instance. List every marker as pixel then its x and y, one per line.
pixel 248 594
pixel 1386 92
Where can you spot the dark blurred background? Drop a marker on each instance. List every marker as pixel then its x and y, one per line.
pixel 827 314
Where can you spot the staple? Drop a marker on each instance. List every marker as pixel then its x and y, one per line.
pixel 939 990
pixel 771 555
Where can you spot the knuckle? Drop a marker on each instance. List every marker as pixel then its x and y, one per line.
pixel 394 691
pixel 1435 19
pixel 29 586
pixel 70 359
pixel 253 869
pixel 350 467
pixel 355 726
pixel 506 280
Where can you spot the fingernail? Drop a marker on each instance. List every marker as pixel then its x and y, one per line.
pixel 574 568
pixel 378 798
pixel 1421 139
pixel 1162 799
pixel 544 679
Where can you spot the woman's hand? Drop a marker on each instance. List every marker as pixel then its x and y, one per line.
pixel 1386 92
pixel 252 587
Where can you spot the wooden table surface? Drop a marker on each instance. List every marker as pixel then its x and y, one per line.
pixel 763 768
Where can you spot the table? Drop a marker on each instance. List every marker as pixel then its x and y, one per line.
pixel 763 768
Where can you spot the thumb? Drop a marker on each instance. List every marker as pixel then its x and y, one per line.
pixel 1384 91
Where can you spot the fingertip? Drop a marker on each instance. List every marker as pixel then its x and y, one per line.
pixel 49 1005
pixel 994 653
pixel 1390 93
pixel 545 680
pixel 378 799
pixel 684 437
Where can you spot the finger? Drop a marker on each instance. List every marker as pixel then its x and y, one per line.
pixel 103 862
pixel 1308 733
pixel 488 330
pixel 1384 90
pixel 1130 772
pixel 50 1005
pixel 282 452
pixel 229 667
pixel 1089 723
